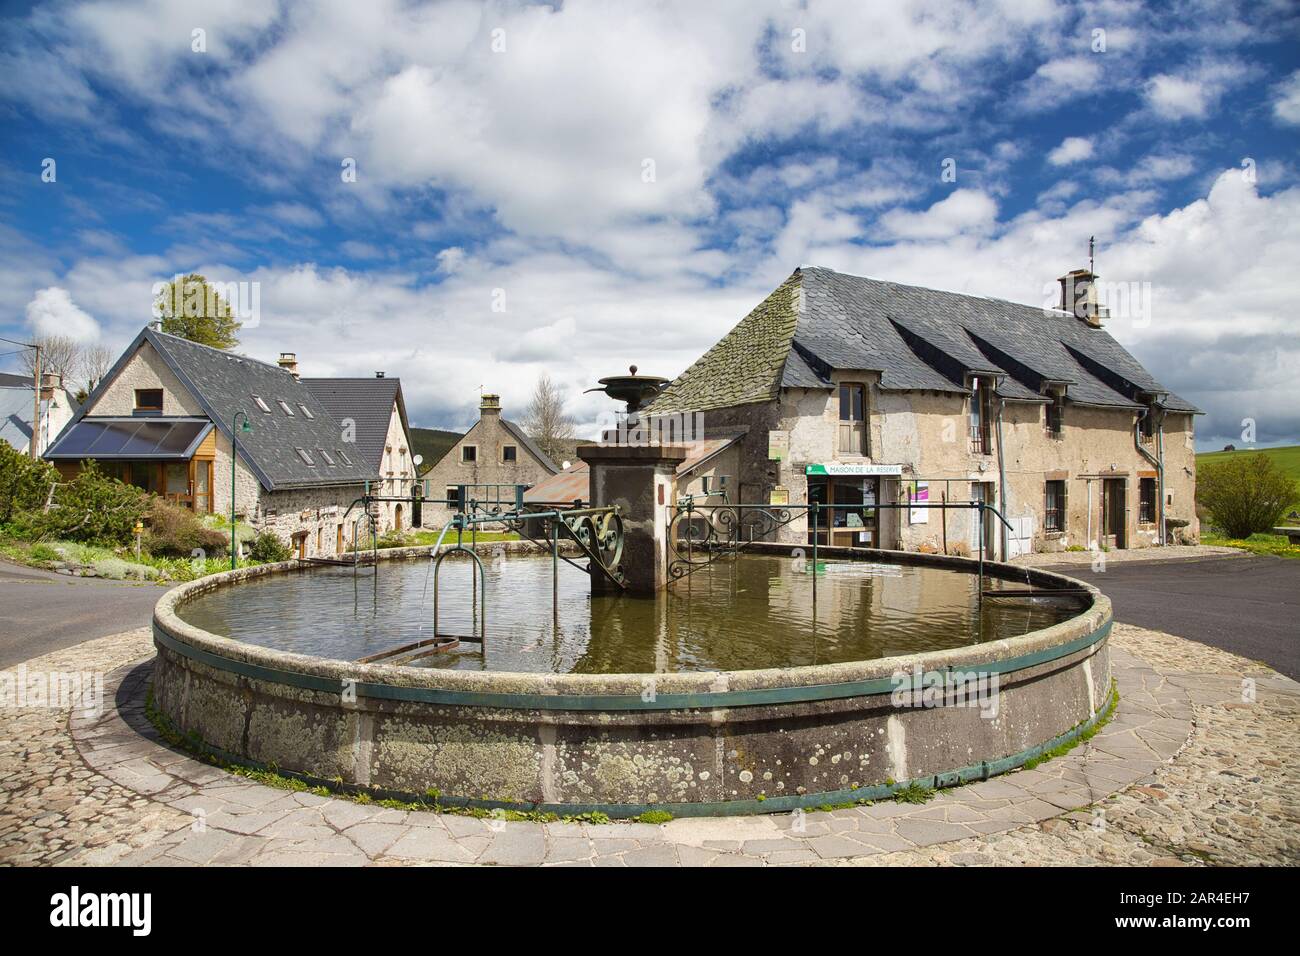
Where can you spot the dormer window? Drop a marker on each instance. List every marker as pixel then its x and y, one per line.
pixel 285 406
pixel 1056 414
pixel 1147 426
pixel 261 404
pixel 981 415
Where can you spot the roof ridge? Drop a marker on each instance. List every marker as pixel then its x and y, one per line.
pixel 238 356
pixel 1062 313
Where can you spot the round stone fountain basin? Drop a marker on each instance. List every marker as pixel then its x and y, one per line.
pixel 688 741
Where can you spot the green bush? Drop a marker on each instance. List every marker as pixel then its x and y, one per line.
pixel 173 531
pixel 267 548
pixel 395 539
pixel 92 507
pixel 24 487
pixel 1245 495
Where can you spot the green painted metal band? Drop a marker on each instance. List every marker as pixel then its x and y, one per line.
pixel 784 804
pixel 620 702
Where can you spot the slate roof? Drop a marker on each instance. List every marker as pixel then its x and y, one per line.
pixel 224 383
pixel 369 403
pixel 916 338
pixel 16 414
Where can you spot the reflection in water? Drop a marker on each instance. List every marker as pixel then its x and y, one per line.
pixel 753 612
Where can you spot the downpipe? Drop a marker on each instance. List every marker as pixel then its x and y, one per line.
pixel 1157 461
pixel 1002 483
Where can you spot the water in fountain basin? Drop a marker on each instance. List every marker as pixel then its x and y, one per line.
pixel 750 612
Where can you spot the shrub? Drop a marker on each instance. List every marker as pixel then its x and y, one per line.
pixel 1245 495
pixel 395 539
pixel 92 507
pixel 174 531
pixel 24 487
pixel 268 548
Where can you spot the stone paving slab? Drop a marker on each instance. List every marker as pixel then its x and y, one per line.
pixel 1187 773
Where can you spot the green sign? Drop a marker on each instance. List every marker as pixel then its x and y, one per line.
pixel 832 469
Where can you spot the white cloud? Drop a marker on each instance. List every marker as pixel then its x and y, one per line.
pixel 1174 97
pixel 965 211
pixel 1286 108
pixel 52 312
pixel 1072 150
pixel 1059 81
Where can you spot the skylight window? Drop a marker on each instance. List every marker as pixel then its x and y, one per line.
pixel 326 455
pixel 285 405
pixel 261 404
pixel 306 411
pixel 305 456
pixel 346 460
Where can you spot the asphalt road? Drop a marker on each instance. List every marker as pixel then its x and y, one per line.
pixel 41 611
pixel 1244 604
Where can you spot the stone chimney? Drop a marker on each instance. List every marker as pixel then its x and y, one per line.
pixel 1079 297
pixel 289 362
pixel 49 382
pixel 489 405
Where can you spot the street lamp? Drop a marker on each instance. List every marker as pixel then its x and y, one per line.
pixel 235 429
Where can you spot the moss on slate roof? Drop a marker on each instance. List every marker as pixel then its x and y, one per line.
pixel 745 366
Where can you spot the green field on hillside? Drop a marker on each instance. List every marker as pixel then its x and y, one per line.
pixel 432 444
pixel 1287 457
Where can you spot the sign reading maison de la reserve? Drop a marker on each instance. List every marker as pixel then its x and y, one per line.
pixel 832 468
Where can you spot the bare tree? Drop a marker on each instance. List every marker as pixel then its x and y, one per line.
pixel 546 421
pixel 95 363
pixel 59 354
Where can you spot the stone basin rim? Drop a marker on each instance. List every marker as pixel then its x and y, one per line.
pixel 1089 621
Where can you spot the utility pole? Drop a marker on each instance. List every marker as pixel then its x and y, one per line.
pixel 36 404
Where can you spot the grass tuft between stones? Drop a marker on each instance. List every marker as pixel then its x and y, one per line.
pixel 1083 736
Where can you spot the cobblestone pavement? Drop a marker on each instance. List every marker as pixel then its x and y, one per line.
pixel 1173 552
pixel 1191 771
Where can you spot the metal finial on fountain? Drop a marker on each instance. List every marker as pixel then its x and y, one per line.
pixel 633 389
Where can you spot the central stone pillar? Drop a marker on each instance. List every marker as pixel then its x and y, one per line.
pixel 642 481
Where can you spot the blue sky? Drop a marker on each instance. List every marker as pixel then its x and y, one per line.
pixel 627 180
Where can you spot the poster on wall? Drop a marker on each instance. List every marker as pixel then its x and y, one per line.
pixel 919 492
pixel 778 445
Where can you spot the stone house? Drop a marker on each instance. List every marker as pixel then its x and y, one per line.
pixel 495 451
pixel 376 410
pixel 852 391
pixel 163 419
pixel 17 405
